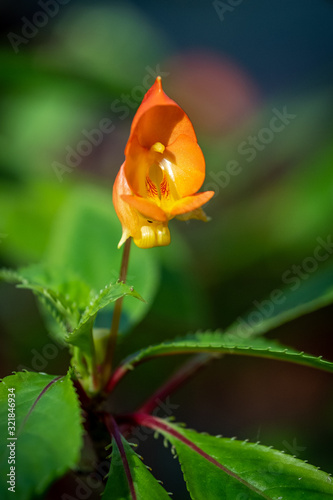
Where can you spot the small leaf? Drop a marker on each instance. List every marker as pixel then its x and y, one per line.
pixel 143 484
pixel 81 336
pixel 48 429
pixel 216 468
pixel 109 294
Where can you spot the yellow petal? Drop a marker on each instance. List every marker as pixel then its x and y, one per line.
pixel 152 235
pixel 146 207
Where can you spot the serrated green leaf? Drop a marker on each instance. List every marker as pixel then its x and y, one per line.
pixel 48 429
pixel 146 487
pixel 249 471
pixel 225 344
pixel 81 336
pixel 75 291
pixel 10 276
pixel 310 295
pixel 109 294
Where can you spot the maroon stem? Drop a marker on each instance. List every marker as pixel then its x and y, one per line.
pixel 114 432
pixel 163 427
pixel 179 378
pixel 83 396
pixel 126 366
pixel 116 376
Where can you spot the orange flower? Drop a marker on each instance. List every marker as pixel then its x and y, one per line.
pixel 162 172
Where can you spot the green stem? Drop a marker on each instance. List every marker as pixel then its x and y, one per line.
pixel 112 339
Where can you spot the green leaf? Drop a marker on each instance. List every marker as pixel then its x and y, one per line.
pixel 48 428
pixel 310 295
pixel 85 240
pixel 216 468
pixel 109 294
pixel 220 343
pixel 146 487
pixel 11 276
pixel 74 291
pixel 82 335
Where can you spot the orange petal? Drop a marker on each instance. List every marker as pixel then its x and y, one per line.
pixel 128 217
pixel 137 164
pixel 146 207
pixel 187 164
pixel 190 203
pixel 159 119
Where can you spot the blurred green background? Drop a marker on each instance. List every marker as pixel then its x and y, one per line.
pixel 72 75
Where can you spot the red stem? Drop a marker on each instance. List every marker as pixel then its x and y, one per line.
pixel 179 378
pixel 116 376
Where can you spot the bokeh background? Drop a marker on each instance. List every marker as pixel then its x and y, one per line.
pixel 71 79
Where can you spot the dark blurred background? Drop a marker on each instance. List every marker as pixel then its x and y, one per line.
pixel 69 69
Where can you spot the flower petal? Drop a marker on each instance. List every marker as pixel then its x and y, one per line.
pixel 153 235
pixel 185 165
pixel 163 170
pixel 159 119
pixel 128 217
pixel 191 203
pixel 137 164
pixel 146 207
